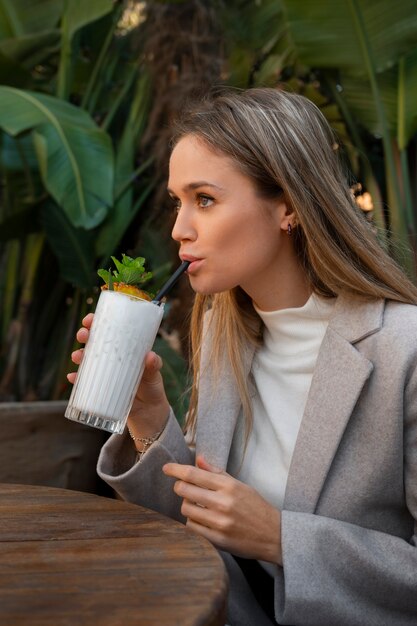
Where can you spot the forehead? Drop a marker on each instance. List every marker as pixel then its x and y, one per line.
pixel 192 156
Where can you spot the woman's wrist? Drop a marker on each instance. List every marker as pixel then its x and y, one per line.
pixel 146 425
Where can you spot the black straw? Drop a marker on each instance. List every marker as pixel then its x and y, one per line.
pixel 171 282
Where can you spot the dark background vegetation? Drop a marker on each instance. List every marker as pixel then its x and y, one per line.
pixel 87 92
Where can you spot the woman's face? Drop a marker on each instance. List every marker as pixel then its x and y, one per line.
pixel 231 234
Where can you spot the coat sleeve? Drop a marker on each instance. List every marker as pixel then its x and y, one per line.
pixel 340 573
pixel 144 483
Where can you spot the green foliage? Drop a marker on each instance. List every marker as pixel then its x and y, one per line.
pixel 358 61
pixel 74 103
pixel 75 157
pixel 129 271
pixel 372 45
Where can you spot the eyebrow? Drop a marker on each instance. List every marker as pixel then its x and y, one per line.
pixel 196 185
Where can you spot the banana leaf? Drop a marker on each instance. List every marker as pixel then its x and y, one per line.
pixel 20 17
pixel 326 33
pixel 17 153
pixel 76 15
pixel 365 41
pixel 75 157
pixel 407 98
pixel 73 247
pixel 29 50
pixel 124 210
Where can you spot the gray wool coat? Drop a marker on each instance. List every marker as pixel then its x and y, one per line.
pixel 349 531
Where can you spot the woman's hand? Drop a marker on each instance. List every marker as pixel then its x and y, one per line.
pixel 150 408
pixel 82 337
pixel 230 514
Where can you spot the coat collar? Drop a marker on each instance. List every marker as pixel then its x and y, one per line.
pixel 355 318
pixel 340 373
pixel 339 376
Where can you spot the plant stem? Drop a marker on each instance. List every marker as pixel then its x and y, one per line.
pixel 119 98
pixel 408 201
pixel 34 246
pixel 386 139
pixel 13 19
pixel 142 167
pixel 85 102
pixel 12 253
pixel 64 62
pixel 402 146
pixel 26 169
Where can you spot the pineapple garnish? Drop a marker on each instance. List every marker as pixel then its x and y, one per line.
pixel 127 276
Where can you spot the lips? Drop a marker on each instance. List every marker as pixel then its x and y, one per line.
pixel 195 262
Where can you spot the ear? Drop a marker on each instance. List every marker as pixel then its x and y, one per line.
pixel 288 217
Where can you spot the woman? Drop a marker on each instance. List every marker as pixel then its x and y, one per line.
pixel 300 463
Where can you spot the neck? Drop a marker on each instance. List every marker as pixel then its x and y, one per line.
pixel 287 287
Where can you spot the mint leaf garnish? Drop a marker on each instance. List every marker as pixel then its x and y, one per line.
pixel 130 271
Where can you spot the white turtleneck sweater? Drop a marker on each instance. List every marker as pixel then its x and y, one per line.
pixel 282 370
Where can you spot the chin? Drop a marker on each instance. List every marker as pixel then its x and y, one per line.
pixel 209 290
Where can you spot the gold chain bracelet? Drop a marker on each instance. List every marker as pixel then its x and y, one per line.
pixel 147 442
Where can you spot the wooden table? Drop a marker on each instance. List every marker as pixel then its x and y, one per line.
pixel 71 558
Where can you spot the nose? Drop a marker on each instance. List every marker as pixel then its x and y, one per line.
pixel 183 229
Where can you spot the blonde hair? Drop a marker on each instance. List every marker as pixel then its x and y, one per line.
pixel 285 145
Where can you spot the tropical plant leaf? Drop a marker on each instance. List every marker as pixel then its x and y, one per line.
pixel 73 247
pixel 29 50
pixel 325 32
pixel 20 17
pixel 76 15
pixel 366 42
pixel 16 153
pixel 125 209
pixel 353 36
pixel 407 98
pixel 254 32
pixel 19 200
pixel 79 14
pixel 358 94
pixel 9 284
pixel 75 157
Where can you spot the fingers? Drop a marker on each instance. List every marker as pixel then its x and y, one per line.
pixel 88 320
pixel 203 464
pixel 77 356
pixel 204 516
pixel 71 377
pixel 153 365
pixel 196 495
pixel 82 335
pixel 195 475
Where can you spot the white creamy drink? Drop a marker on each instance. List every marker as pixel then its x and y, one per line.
pixel 123 332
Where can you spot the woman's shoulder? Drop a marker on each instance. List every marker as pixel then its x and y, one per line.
pixel 377 321
pixel 400 315
pixel 398 333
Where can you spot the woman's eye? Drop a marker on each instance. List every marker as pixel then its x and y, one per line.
pixel 176 203
pixel 204 201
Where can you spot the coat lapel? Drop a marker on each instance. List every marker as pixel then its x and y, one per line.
pixel 339 376
pixel 219 406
